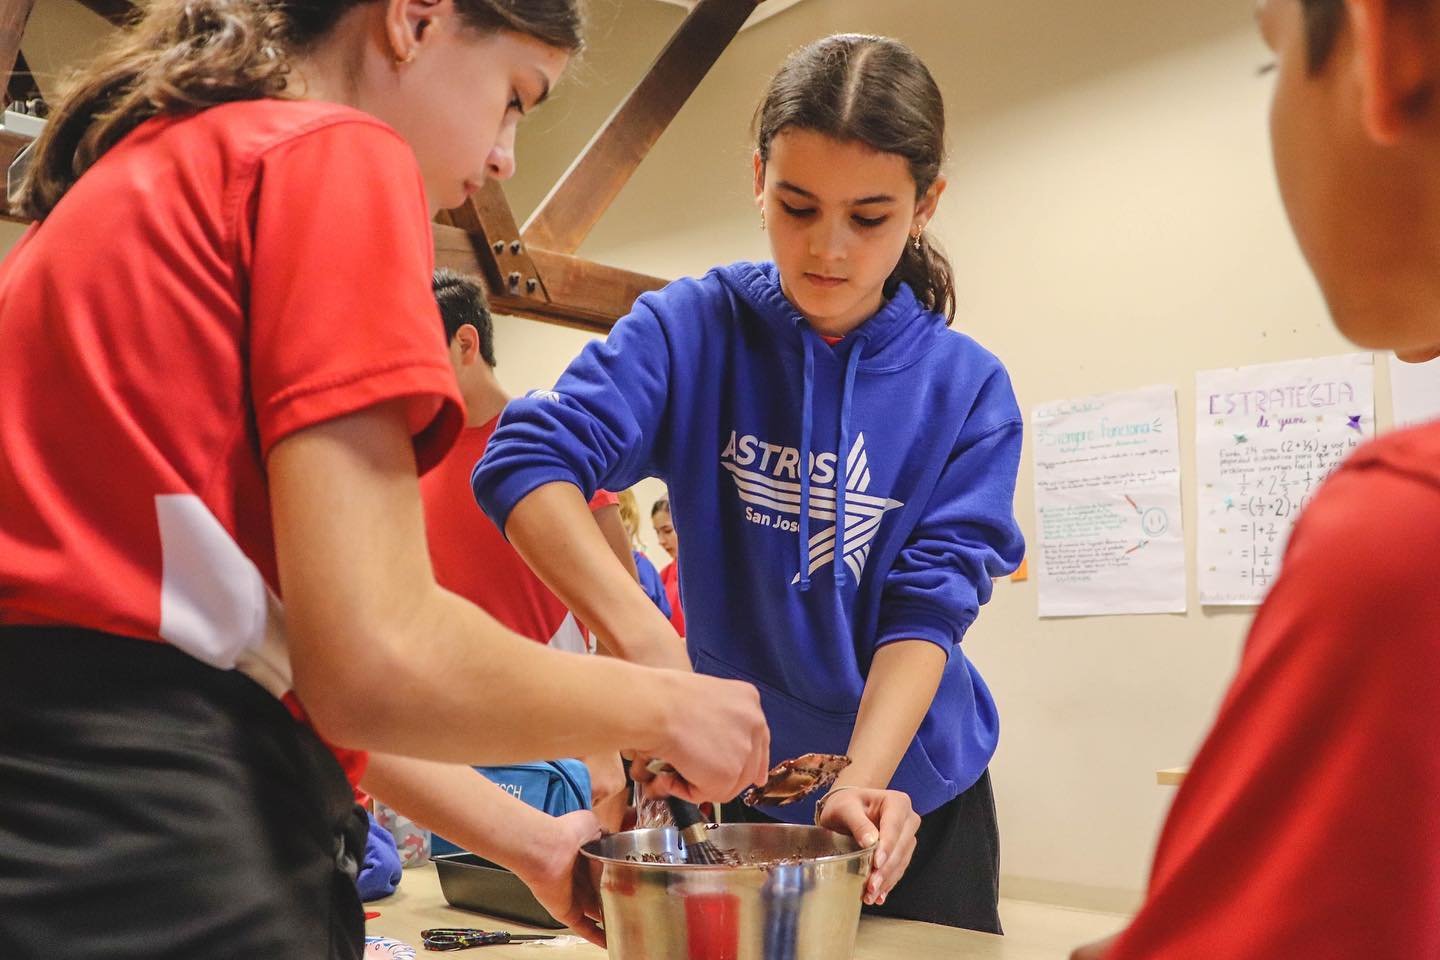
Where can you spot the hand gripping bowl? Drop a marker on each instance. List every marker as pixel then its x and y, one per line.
pixel 795 895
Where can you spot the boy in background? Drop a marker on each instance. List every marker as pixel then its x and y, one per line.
pixel 1308 825
pixel 470 556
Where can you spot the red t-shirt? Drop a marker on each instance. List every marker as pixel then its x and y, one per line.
pixel 215 283
pixel 473 559
pixel 1309 824
pixel 670 577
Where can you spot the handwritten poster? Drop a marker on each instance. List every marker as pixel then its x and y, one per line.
pixel 1107 505
pixel 1266 436
pixel 1415 391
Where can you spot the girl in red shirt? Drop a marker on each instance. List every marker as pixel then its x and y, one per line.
pixel 222 371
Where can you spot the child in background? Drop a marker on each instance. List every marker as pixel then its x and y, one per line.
pixel 470 555
pixel 1308 824
pixel 670 574
pixel 646 573
pixel 222 371
pixel 841 465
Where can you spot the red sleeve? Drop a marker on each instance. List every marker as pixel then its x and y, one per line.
pixel 602 499
pixel 341 311
pixel 1308 825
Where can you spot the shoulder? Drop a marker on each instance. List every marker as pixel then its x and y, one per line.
pixel 952 346
pixel 1370 539
pixel 261 125
pixel 689 297
pixel 252 128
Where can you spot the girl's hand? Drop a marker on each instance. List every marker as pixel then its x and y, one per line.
pixel 881 817
pixel 561 879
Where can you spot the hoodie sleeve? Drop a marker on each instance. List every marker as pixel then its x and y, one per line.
pixel 966 538
pixel 597 428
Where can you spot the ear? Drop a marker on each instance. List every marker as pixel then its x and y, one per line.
pixel 1397 60
pixel 929 202
pixel 408 23
pixel 759 179
pixel 468 339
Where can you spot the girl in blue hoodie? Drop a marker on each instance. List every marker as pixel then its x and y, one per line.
pixel 842 469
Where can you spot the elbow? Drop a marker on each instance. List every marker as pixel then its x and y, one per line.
pixel 343 683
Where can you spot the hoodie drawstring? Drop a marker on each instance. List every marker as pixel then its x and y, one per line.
pixel 842 460
pixel 806 423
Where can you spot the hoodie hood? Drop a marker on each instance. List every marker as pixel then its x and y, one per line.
pixel 900 333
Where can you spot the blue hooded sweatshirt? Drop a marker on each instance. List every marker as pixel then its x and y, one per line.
pixel 764 434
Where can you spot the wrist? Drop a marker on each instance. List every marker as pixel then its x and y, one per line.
pixel 837 788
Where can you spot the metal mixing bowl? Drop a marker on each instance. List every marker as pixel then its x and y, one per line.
pixel 806 906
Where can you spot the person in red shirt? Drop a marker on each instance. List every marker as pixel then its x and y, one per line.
pixel 471 556
pixel 222 371
pixel 1307 826
pixel 670 575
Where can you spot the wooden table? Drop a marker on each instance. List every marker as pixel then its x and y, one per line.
pixel 418 904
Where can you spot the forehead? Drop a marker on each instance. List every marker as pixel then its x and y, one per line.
pixel 836 171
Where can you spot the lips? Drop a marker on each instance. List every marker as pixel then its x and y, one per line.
pixel 820 280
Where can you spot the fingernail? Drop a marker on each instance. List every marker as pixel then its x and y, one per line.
pixel 869 839
pixel 881 900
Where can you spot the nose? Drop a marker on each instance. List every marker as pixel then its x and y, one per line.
pixel 827 240
pixel 500 164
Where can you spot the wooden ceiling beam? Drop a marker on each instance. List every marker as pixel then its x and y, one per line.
pixel 14 15
pixel 119 12
pixel 566 216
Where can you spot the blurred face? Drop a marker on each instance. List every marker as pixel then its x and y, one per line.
pixel 838 215
pixel 665 533
pixel 458 100
pixel 1355 150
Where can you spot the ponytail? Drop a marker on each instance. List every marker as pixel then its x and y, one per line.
pixel 928 272
pixel 182 56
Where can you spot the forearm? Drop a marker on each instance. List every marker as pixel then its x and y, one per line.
pixel 553 533
pixel 463 807
pixel 432 659
pixel 904 676
pixel 613 529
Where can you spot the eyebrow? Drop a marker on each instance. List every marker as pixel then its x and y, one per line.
pixel 863 201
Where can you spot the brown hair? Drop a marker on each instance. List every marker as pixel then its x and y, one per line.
pixel 1323 19
pixel 875 91
pixel 183 56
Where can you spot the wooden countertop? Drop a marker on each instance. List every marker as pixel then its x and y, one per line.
pixel 418 904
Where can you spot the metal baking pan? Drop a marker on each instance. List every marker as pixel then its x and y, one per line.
pixel 474 883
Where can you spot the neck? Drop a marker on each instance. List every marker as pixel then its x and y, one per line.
pixel 838 326
pixel 484 398
pixel 335 69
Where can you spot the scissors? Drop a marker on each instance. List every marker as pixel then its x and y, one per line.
pixel 463 938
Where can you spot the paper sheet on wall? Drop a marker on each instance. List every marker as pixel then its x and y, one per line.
pixel 1108 538
pixel 1415 391
pixel 1266 436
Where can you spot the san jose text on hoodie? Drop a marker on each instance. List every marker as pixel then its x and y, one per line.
pixel 764 434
